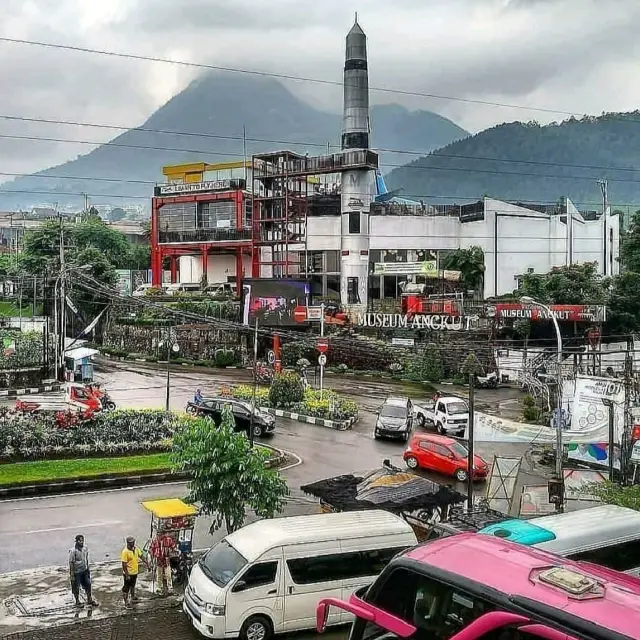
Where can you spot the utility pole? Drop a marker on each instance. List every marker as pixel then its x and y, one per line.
pixel 255 383
pixel 604 189
pixel 471 457
pixel 167 401
pixel 625 445
pixel 321 355
pixel 63 305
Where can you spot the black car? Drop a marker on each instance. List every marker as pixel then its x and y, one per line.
pixel 263 423
pixel 395 419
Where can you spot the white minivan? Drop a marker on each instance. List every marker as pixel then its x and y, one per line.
pixel 268 577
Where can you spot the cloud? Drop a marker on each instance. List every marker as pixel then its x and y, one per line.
pixel 568 55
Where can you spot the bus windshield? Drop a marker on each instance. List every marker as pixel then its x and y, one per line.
pixel 465 587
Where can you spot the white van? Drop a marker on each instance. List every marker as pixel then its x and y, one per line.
pixel 268 577
pixel 607 535
pixel 181 287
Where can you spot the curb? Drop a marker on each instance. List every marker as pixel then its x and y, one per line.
pixel 339 425
pixel 149 362
pixel 114 482
pixel 14 393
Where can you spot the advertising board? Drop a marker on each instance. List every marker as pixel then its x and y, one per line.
pixel 273 302
pixel 561 312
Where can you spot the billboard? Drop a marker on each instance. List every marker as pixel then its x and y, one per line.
pixel 427 268
pixel 123 285
pixel 273 302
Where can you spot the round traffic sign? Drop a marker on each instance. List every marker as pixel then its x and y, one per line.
pixel 322 360
pixel 300 314
pixel 322 345
pixel 271 356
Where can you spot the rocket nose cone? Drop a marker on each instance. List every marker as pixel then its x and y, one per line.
pixel 356 30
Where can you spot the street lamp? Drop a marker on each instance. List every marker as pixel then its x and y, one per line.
pixel 527 300
pixel 172 345
pixel 61 324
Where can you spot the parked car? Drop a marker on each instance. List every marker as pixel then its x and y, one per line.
pixel 448 414
pixel 222 289
pixel 142 289
pixel 444 455
pixel 395 419
pixel 263 423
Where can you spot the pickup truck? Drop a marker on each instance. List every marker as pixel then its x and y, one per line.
pixel 448 414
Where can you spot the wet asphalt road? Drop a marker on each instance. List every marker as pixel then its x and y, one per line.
pixel 38 532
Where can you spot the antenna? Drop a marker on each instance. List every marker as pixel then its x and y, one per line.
pixel 356 20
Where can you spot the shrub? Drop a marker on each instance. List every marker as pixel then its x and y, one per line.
pixel 286 389
pixel 529 401
pixel 428 367
pixel 302 364
pixel 531 414
pixel 225 357
pixel 343 368
pixel 395 367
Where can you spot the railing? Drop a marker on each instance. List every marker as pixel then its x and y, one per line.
pixel 204 235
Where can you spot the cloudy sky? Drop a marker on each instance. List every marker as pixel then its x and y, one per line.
pixel 578 56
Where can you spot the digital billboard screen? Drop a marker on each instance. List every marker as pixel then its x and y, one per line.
pixel 273 302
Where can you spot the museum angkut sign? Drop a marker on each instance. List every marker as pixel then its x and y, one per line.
pixel 436 322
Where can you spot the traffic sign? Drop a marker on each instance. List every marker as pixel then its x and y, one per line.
pixel 322 345
pixel 322 359
pixel 314 314
pixel 300 314
pixel 271 356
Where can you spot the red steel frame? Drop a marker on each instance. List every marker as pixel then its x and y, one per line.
pixel 176 249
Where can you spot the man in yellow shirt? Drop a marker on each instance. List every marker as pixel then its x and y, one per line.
pixel 131 557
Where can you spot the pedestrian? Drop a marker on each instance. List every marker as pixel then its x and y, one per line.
pixel 79 571
pixel 162 548
pixel 131 556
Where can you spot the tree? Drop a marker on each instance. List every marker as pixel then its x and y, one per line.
pixel 470 263
pixel 611 493
pixel 624 303
pixel 630 246
pixel 227 475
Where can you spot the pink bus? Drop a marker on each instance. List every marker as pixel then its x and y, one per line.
pixel 474 587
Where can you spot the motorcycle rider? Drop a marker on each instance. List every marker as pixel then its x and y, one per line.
pixel 197 399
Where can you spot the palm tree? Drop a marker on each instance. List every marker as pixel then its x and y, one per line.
pixel 470 263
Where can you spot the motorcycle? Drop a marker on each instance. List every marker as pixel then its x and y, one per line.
pixel 264 375
pixel 181 568
pixel 107 403
pixel 489 381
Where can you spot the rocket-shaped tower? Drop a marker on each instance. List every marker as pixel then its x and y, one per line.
pixel 358 185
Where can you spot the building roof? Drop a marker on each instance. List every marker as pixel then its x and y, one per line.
pixel 256 538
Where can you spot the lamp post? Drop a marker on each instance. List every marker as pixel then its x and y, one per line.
pixel 559 422
pixel 172 345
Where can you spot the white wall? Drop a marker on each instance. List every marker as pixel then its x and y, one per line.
pixel 219 267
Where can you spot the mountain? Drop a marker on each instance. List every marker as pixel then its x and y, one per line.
pixel 221 104
pixel 491 163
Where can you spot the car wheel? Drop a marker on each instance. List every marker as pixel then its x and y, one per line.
pixel 412 462
pixel 405 437
pixel 256 628
pixel 421 420
pixel 376 435
pixel 461 475
pixel 257 431
pixel 440 428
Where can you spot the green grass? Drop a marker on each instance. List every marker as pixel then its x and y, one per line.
pixel 53 470
pixel 11 310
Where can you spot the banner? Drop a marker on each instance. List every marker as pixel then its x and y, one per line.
pixel 427 268
pixel 124 281
pixel 92 325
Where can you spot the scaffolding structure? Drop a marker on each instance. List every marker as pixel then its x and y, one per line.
pixel 279 215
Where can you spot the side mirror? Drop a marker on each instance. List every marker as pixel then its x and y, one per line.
pixel 241 585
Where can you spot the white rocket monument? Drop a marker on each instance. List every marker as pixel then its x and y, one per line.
pixel 358 185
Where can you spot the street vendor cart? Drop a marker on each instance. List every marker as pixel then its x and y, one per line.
pixel 171 541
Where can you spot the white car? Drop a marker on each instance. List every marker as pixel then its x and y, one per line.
pixel 448 414
pixel 142 290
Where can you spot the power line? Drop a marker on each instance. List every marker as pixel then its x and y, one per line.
pixel 307 143
pixel 280 76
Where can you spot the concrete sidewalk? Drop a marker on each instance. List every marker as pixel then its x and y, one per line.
pixel 38 604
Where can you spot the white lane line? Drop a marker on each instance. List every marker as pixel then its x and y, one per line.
pixel 79 527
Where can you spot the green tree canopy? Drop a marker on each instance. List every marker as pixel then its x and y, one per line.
pixel 227 474
pixel 470 263
pixel 630 245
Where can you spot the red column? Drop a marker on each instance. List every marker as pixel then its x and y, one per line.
pixel 239 270
pixel 156 252
pixel 205 260
pixel 276 350
pixel 174 269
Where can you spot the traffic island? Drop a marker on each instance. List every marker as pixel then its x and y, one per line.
pixel 25 391
pixel 340 425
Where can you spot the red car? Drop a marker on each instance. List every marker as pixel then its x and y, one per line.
pixel 444 455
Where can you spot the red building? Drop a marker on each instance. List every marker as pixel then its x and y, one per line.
pixel 201 223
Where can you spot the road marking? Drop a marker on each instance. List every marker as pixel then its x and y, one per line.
pixel 84 526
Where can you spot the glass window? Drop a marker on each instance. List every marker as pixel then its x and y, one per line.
pixel 374 255
pixel 315 262
pixel 621 557
pixel 354 222
pixel 217 214
pixel 374 287
pixel 393 411
pixel 457 408
pixel 341 566
pixel 332 261
pixel 389 286
pixel 459 449
pixel 333 287
pixel 316 287
pixel 259 575
pixel 222 563
pixel 442 451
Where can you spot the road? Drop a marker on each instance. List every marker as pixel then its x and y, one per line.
pixel 38 532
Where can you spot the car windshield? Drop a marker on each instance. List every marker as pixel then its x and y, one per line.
pixel 222 563
pixel 393 411
pixel 455 408
pixel 459 449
